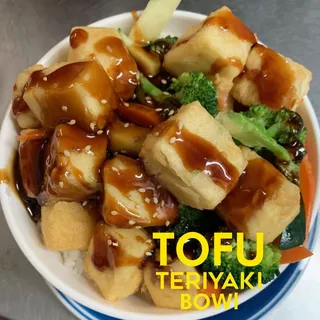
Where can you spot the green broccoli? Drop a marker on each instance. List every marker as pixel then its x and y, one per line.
pixel 189 87
pixel 162 46
pixel 269 267
pixel 278 136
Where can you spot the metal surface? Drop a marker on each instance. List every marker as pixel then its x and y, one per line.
pixel 28 29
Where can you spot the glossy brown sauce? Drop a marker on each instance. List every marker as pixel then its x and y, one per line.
pixel 135 15
pixel 59 167
pixel 110 255
pixel 132 178
pixel 4 178
pixel 274 80
pixel 78 37
pixel 19 106
pixel 198 154
pixel 139 114
pixel 221 63
pixel 138 35
pixel 59 92
pixel 123 70
pixel 258 183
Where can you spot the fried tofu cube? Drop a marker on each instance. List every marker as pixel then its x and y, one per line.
pixel 79 91
pixel 263 200
pixel 132 198
pixel 271 79
pixel 73 165
pixel 114 260
pixel 218 47
pixel 67 226
pixel 167 297
pixel 105 46
pixel 24 116
pixel 194 157
pixel 126 138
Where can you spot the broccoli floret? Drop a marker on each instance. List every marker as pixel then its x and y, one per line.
pixel 282 133
pixel 189 87
pixel 269 266
pixel 162 46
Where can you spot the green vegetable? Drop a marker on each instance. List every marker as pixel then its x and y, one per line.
pixel 281 133
pixel 162 46
pixel 148 62
pixel 153 19
pixel 269 267
pixel 295 234
pixel 188 87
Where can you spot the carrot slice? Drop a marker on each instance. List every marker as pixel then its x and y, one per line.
pixel 307 188
pixel 211 290
pixel 294 255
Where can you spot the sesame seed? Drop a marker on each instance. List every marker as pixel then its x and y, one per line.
pixel 149 241
pixel 148 98
pixel 131 222
pixel 92 126
pixel 148 254
pixel 138 227
pixel 159 109
pixel 103 101
pixel 142 190
pixel 166 93
pixel 164 81
pixel 45 79
pixel 134 96
pixel 64 108
pixel 126 125
pixel 123 151
pixel 71 85
pixel 157 134
pixel 168 223
pixel 126 104
pixel 180 125
pixel 114 213
pixel 100 132
pixel 66 153
pixel 159 186
pixel 61 184
pixel 155 200
pixel 171 113
pixel 109 242
pixel 88 147
pixel 147 200
pixel 114 169
pixel 162 203
pixel 84 203
pixel 138 206
pixel 166 109
pixel 173 140
pixel 72 122
pixel 115 244
pixel 155 214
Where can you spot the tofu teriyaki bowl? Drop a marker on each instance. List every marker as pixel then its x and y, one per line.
pixel 136 125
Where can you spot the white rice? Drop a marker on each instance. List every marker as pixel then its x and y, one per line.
pixel 74 260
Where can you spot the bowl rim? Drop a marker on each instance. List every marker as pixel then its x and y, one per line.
pixel 82 298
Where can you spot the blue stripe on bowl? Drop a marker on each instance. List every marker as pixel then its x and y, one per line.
pixel 253 309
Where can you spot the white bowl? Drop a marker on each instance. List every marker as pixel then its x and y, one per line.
pixel 49 263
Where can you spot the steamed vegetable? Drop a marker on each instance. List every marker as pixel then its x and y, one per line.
pixel 281 133
pixel 148 62
pixel 153 20
pixel 187 88
pixel 230 264
pixel 162 46
pixel 294 255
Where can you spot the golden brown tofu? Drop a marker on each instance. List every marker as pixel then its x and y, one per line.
pixel 31 164
pixel 263 200
pixel 131 198
pixel 168 297
pixel 67 226
pixel 271 79
pixel 24 116
pixel 80 92
pixel 218 47
pixel 114 260
pixel 105 46
pixel 126 138
pixel 73 164
pixel 194 157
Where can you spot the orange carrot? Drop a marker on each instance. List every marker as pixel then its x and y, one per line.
pixel 35 134
pixel 211 290
pixel 294 255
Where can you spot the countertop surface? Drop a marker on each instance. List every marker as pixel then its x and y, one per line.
pixel 28 29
